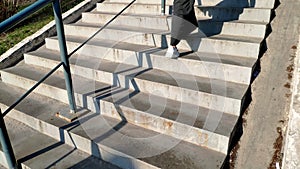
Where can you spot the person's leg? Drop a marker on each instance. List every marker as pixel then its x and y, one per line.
pixel 174 39
pixel 177 28
pixel 172 50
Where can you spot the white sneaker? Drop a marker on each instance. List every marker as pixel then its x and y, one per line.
pixel 172 53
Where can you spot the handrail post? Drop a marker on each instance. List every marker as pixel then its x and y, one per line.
pixel 6 145
pixel 64 54
pixel 163 7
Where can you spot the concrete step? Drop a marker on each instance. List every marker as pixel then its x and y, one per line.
pixel 129 54
pixel 218 44
pixel 114 141
pixel 88 92
pixel 233 28
pixel 216 13
pixel 121 34
pixel 232 3
pixel 214 94
pixel 36 150
pixel 144 37
pixel 208 28
pixel 142 21
pixel 223 67
pixel 105 46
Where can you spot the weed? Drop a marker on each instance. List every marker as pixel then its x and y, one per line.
pixel 28 26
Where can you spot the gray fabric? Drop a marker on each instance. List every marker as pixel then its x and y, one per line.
pixel 184 20
pixel 183 7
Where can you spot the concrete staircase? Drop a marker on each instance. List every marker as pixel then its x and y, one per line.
pixel 140 109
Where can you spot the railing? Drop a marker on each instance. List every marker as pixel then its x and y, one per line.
pixel 11 22
pixel 6 145
pixel 163 7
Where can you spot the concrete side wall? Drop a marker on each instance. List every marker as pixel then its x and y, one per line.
pixel 292 143
pixel 15 54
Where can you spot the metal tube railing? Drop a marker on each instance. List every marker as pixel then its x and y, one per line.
pixel 64 54
pixel 30 90
pixel 6 25
pixel 25 13
pixel 163 7
pixel 103 27
pixel 6 145
pixel 12 21
pixel 22 15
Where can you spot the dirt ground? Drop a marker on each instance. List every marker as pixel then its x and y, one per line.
pixel 266 118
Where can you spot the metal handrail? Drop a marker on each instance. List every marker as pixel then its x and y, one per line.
pixel 101 28
pixel 11 22
pixel 14 20
pixel 17 18
pixel 31 89
pixel 25 13
pixel 163 7
pixel 6 145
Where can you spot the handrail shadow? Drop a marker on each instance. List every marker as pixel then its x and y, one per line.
pixel 218 15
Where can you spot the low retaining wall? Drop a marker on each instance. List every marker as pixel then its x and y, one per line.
pixel 291 159
pixel 15 54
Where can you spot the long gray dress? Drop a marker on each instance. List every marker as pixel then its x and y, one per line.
pixel 183 21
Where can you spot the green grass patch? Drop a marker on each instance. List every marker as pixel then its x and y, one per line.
pixel 31 25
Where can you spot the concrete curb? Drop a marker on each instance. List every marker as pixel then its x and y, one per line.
pixel 15 54
pixel 291 159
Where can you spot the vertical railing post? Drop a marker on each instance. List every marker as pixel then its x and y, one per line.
pixel 163 7
pixel 6 145
pixel 64 53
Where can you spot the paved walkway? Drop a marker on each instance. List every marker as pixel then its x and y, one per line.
pixel 266 119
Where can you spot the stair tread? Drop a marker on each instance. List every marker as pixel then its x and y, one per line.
pixel 214 57
pixel 130 14
pixel 117 27
pixel 166 16
pixel 204 24
pixel 220 37
pixel 108 43
pixel 158 31
pixel 209 3
pixel 135 28
pixel 189 114
pixel 202 84
pixel 86 89
pixel 197 64
pixel 153 143
pixel 36 150
pixel 184 113
pixel 242 22
pixel 199 6
pixel 216 6
pixel 203 56
pixel 236 38
pixel 112 137
pixel 169 16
